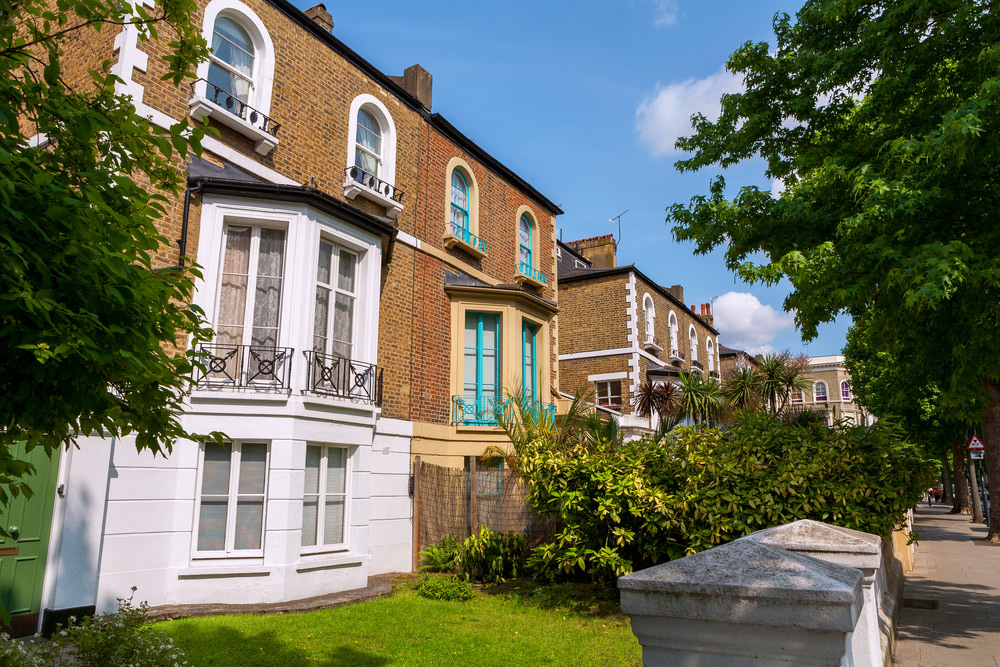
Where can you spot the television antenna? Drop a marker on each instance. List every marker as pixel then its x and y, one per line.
pixel 619 219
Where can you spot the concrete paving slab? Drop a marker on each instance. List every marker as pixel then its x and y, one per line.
pixel 953 569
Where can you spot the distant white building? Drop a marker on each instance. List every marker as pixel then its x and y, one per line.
pixel 830 388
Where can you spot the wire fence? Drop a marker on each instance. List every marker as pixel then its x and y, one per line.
pixel 457 501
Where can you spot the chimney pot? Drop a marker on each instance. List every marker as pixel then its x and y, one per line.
pixel 693 309
pixel 320 17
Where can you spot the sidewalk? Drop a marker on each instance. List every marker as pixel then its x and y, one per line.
pixel 951 608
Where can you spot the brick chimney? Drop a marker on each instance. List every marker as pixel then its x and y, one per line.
pixel 706 314
pixel 417 82
pixel 321 17
pixel 602 251
pixel 678 292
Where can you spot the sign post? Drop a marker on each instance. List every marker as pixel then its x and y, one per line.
pixel 975 449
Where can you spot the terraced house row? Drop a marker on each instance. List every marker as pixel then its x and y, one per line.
pixel 378 284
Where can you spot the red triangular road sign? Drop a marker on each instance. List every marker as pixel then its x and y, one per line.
pixel 975 443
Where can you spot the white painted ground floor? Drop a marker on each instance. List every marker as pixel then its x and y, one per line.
pixel 301 500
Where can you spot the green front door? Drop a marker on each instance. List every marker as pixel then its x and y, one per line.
pixel 23 552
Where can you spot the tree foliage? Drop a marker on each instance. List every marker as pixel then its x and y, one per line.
pixel 879 118
pixel 86 323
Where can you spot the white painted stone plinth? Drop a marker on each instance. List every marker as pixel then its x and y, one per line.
pixel 851 548
pixel 744 603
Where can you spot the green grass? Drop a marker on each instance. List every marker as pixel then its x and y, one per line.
pixel 516 624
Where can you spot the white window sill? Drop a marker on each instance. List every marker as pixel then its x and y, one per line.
pixel 235 570
pixel 261 395
pixel 452 241
pixel 323 401
pixel 352 189
pixel 311 562
pixel 202 107
pixel 651 346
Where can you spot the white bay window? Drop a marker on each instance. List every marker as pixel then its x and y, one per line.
pixel 324 498
pixel 333 328
pixel 250 291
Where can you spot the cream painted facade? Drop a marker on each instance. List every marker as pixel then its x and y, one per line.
pixel 830 373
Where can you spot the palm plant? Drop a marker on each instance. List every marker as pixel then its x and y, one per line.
pixel 701 399
pixel 656 398
pixel 524 424
pixel 742 388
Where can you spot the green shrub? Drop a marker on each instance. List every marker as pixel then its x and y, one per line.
pixel 118 639
pixel 492 557
pixel 440 587
pixel 440 558
pixel 637 504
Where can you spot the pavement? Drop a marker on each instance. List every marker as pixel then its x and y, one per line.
pixel 378 586
pixel 951 599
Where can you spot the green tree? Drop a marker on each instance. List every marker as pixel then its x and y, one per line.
pixel 86 323
pixel 879 117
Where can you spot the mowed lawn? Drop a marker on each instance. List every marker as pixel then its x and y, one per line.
pixel 492 629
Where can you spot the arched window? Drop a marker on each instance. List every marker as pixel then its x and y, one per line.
pixel 231 66
pixel 459 203
pixel 525 243
pixel 819 392
pixel 845 390
pixel 693 338
pixel 710 349
pixel 649 311
pixel 368 144
pixel 675 348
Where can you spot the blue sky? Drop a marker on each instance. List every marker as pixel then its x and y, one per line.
pixel 583 100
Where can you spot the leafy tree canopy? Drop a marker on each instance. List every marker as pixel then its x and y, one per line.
pixel 86 323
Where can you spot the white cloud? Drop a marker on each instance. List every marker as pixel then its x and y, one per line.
pixel 666 115
pixel 747 324
pixel 666 13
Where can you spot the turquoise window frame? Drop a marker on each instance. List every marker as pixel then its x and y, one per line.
pixel 468 195
pixel 529 363
pixel 477 390
pixel 526 221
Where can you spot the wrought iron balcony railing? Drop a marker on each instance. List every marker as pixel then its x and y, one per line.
pixel 374 183
pixel 491 410
pixel 467 236
pixel 533 273
pixel 333 375
pixel 697 364
pixel 714 374
pixel 676 356
pixel 234 105
pixel 237 366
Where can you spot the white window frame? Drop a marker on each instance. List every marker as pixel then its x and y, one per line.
pixel 845 391
pixel 798 396
pixel 675 347
pixel 234 467
pixel 710 353
pixel 826 392
pixel 334 290
pixel 321 500
pixel 693 340
pixel 649 317
pixel 262 80
pixel 352 188
pixel 609 395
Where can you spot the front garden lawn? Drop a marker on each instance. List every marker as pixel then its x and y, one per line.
pixel 516 624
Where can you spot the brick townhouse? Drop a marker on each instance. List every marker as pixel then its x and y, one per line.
pixel 620 328
pixel 379 285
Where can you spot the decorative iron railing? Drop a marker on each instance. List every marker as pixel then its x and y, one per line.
pixel 714 374
pixel 697 364
pixel 479 410
pixel 234 105
pixel 467 236
pixel 532 273
pixel 333 375
pixel 491 410
pixel 374 183
pixel 676 355
pixel 238 366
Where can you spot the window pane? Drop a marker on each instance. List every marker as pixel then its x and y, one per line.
pixel 369 132
pixel 237 259
pixel 320 319
pixel 253 469
pixel 336 470
pixel 366 161
pixel 249 521
pixel 232 32
pixel 343 318
pixel 345 270
pixel 459 191
pixel 310 517
pixel 333 529
pixel 313 457
pixel 215 476
pixel 212 524
pixel 525 232
pixel 458 218
pixel 325 262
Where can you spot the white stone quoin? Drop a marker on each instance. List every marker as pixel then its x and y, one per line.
pixel 744 603
pixel 851 548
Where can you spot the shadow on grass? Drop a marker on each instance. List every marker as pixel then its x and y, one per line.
pixel 229 647
pixel 584 599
